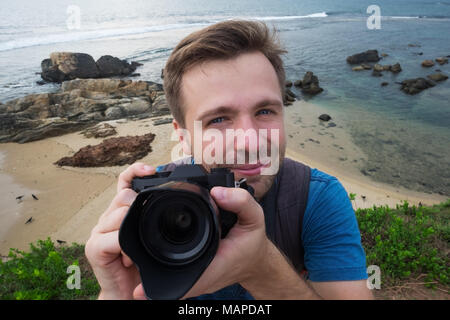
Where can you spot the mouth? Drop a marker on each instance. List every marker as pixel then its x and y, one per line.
pixel 249 169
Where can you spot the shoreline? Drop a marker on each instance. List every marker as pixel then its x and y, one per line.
pixel 72 199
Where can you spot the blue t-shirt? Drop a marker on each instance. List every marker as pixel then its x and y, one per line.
pixel 330 235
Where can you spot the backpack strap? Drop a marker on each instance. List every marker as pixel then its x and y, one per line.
pixel 292 197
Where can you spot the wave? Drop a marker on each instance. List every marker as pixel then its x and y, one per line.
pixel 313 15
pixel 89 35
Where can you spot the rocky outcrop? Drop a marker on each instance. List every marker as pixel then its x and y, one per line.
pixel 79 104
pixel 102 130
pixel 64 66
pixel 414 86
pixel 111 152
pixel 437 77
pixel 367 56
pixel 309 84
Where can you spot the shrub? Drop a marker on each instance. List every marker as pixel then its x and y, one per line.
pixel 42 273
pixel 407 241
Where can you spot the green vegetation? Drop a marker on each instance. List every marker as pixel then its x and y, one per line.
pixel 408 241
pixel 41 274
pixel 405 242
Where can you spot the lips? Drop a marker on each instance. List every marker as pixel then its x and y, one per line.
pixel 249 169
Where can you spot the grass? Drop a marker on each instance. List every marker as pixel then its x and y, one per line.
pixel 407 242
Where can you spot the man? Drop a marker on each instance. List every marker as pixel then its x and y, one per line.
pixel 230 76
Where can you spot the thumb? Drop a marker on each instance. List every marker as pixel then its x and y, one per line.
pixel 239 201
pixel 138 293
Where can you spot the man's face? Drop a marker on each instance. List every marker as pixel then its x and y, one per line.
pixel 240 93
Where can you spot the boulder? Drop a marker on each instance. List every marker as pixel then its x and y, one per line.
pixel 64 66
pixel 383 84
pixel 310 84
pixel 367 56
pixel 414 86
pixel 109 66
pixel 111 152
pixel 442 60
pixel 396 68
pixel 427 63
pixel 288 84
pixel 324 117
pixel 358 68
pixel 74 65
pixel 437 77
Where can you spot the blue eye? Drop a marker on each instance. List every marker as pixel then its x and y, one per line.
pixel 264 111
pixel 217 120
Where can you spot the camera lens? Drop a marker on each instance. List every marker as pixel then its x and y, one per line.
pixel 175 226
pixel 178 224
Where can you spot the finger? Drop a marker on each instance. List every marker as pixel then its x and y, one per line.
pixel 239 201
pixel 124 198
pixel 103 248
pixel 137 169
pixel 126 261
pixel 138 293
pixel 112 221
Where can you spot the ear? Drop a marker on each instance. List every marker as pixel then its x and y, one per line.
pixel 184 137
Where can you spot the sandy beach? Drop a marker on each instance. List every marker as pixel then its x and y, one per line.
pixel 68 201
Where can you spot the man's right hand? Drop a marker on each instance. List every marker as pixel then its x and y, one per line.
pixel 115 272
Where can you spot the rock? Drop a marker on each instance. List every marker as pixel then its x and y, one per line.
pixel 162 73
pixel 162 121
pixel 383 84
pixel 427 63
pixel 324 117
pixel 331 125
pixel 367 56
pixel 289 96
pixel 79 104
pixel 366 66
pixel 298 83
pixel 358 68
pixel 64 66
pixel 135 75
pixel 310 84
pixel 376 73
pixel 414 86
pixel 442 60
pixel 109 66
pixel 378 67
pixel 74 65
pixel 100 131
pixel 160 106
pixel 396 68
pixel 413 45
pixel 288 84
pixel 111 152
pixel 384 55
pixel 437 77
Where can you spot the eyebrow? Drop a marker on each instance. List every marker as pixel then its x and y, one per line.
pixel 233 110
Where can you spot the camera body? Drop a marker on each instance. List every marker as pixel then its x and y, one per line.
pixel 173 228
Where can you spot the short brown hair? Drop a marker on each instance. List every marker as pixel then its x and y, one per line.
pixel 223 40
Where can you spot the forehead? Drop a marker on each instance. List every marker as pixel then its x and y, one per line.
pixel 239 82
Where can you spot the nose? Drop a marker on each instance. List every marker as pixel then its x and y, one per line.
pixel 246 137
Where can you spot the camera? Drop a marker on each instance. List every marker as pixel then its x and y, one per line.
pixel 173 228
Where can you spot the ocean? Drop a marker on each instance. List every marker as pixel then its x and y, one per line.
pixel 406 138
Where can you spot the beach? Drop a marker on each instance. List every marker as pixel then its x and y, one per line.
pixel 68 201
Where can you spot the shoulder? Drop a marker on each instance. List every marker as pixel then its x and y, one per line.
pixel 330 234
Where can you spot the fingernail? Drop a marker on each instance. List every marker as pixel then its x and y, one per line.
pixel 219 193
